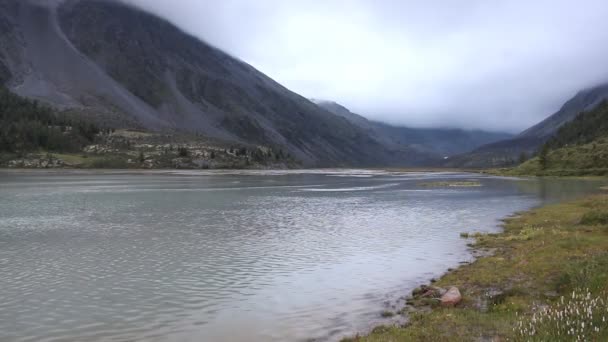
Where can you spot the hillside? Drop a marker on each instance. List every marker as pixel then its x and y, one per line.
pixel 26 125
pixel 120 67
pixel 507 152
pixel 438 142
pixel 36 136
pixel 579 147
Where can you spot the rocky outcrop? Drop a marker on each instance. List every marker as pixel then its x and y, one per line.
pixel 36 162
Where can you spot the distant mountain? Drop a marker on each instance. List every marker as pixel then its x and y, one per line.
pixel 507 152
pixel 438 142
pixel 121 67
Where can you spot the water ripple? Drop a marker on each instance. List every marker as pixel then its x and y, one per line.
pixel 188 256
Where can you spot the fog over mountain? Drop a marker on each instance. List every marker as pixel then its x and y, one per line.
pixel 475 64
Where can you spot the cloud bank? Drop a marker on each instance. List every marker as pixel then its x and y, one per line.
pixel 496 65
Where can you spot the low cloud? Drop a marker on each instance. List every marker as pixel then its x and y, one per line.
pixel 496 65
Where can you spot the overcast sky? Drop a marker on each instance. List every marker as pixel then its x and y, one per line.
pixel 490 64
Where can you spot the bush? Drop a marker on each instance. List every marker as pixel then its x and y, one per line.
pixel 595 217
pixel 183 152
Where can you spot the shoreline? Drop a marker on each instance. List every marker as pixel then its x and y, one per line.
pixel 169 171
pixel 425 315
pixel 400 314
pixel 493 296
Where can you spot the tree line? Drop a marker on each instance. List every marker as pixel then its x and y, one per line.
pixel 26 125
pixel 585 128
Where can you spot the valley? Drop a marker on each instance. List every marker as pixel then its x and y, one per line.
pixel 303 171
pixel 179 85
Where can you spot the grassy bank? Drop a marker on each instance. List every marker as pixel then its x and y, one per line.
pixel 578 160
pixel 546 280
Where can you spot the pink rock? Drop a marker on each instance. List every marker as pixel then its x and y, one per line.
pixel 452 297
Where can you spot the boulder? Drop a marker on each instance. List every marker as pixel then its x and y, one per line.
pixel 452 297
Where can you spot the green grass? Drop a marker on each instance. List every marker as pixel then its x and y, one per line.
pixel 541 256
pixel 93 161
pixel 71 159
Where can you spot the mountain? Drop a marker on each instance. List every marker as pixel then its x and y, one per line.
pixel 507 152
pixel 579 147
pixel 438 142
pixel 583 101
pixel 121 67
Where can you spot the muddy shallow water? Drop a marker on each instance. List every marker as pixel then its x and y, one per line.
pixel 233 256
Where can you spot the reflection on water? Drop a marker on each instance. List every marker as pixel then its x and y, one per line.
pixel 232 256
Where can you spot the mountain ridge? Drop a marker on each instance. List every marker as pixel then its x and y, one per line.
pixel 440 142
pixel 120 66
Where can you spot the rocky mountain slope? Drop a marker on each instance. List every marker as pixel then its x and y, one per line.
pixel 438 142
pixel 124 68
pixel 507 152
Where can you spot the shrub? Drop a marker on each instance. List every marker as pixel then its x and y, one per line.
pixel 595 217
pixel 387 314
pixel 183 152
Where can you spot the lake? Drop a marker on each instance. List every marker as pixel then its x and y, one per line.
pixel 234 255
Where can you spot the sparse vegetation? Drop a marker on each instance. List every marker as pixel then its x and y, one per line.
pixel 126 148
pixel 454 184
